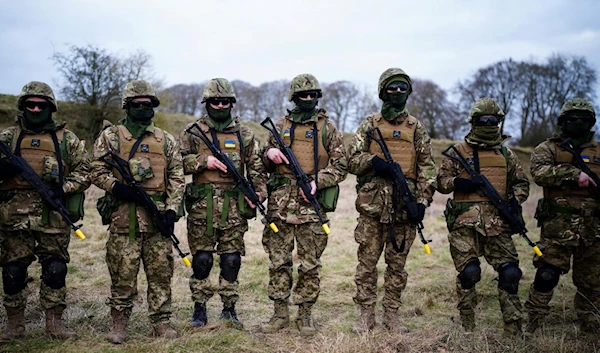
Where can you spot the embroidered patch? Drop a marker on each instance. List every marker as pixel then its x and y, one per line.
pixel 286 133
pixel 309 134
pixel 35 143
pixel 586 158
pixel 396 134
pixel 596 159
pixel 144 148
pixel 229 143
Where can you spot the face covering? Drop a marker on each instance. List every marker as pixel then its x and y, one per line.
pixel 221 118
pixel 578 130
pixel 304 109
pixel 141 113
pixel 39 121
pixel 488 135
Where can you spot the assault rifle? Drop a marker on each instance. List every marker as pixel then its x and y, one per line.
pixel 302 179
pixel 51 198
pixel 511 216
pixel 144 200
pixel 240 182
pixel 400 185
pixel 568 146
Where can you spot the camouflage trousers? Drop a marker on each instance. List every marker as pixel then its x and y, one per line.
pixel 311 241
pixel 224 241
pixel 467 245
pixel 25 246
pixel 123 257
pixel 373 238
pixel 586 277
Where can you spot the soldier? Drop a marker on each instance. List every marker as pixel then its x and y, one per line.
pixel 476 228
pixel 30 229
pixel 218 211
pixel 155 162
pixel 410 147
pixel 568 215
pixel 319 148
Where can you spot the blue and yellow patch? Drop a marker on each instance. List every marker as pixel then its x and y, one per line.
pixel 586 158
pixel 286 133
pixel 229 143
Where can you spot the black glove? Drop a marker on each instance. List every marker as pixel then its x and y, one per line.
pixel 124 192
pixel 420 212
pixel 8 170
pixel 381 168
pixel 465 185
pixel 514 205
pixel 59 193
pixel 170 217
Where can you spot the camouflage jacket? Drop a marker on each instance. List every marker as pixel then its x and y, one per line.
pixel 285 201
pixel 194 163
pixel 22 209
pixel 104 178
pixel 375 194
pixel 483 216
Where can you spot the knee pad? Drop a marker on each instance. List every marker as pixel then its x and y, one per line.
pixel 546 278
pixel 509 277
pixel 230 266
pixel 54 273
pixel 202 263
pixel 470 275
pixel 14 277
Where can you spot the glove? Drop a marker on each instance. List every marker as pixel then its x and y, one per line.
pixel 124 192
pixel 59 193
pixel 514 205
pixel 465 185
pixel 8 170
pixel 381 168
pixel 420 212
pixel 170 217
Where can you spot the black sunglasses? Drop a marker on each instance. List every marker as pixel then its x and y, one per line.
pixel 135 104
pixel 397 86
pixel 41 105
pixel 307 94
pixel 572 118
pixel 487 120
pixel 223 101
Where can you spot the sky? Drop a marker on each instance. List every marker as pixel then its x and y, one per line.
pixel 259 41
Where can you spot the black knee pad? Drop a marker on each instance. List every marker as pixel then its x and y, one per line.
pixel 14 276
pixel 230 266
pixel 202 264
pixel 509 277
pixel 470 275
pixel 546 278
pixel 54 273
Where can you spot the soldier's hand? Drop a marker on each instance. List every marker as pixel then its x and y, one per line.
pixel 124 192
pixel 214 164
pixel 381 168
pixel 585 181
pixel 313 190
pixel 250 202
pixel 276 156
pixel 465 185
pixel 420 212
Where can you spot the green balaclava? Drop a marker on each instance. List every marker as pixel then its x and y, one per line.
pixel 39 121
pixel 394 103
pixel 304 109
pixel 489 134
pixel 577 129
pixel 138 119
pixel 221 118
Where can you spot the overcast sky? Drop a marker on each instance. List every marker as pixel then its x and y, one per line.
pixel 259 41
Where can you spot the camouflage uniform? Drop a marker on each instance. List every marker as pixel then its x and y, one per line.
pixel 375 206
pixel 569 217
pixel 29 229
pixel 135 240
pixel 476 227
pixel 223 229
pixel 294 217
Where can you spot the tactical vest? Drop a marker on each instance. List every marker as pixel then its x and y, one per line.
pixel 151 147
pixel 34 147
pixel 400 140
pixel 492 164
pixel 231 144
pixel 590 155
pixel 301 139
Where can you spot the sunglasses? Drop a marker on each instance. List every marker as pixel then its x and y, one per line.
pixel 135 104
pixel 307 94
pixel 223 101
pixel 41 105
pixel 397 86
pixel 573 118
pixel 487 120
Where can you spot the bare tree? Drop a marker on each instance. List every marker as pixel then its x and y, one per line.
pixel 183 98
pixel 429 102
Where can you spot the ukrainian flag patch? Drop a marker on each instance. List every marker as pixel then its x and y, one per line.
pixel 586 158
pixel 229 143
pixel 286 133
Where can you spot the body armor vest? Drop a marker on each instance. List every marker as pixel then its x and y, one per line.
pixel 492 164
pixel 34 148
pixel 231 144
pixel 590 155
pixel 302 138
pixel 151 147
pixel 400 140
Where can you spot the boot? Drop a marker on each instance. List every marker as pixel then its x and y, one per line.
pixel 120 320
pixel 392 322
pixel 468 321
pixel 55 325
pixel 15 327
pixel 513 329
pixel 534 322
pixel 366 321
pixel 280 318
pixel 165 330
pixel 304 321
pixel 229 315
pixel 199 318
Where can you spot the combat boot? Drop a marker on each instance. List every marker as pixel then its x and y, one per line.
pixel 120 320
pixel 468 321
pixel 165 330
pixel 280 318
pixel 304 321
pixel 513 329
pixel 534 322
pixel 55 324
pixel 199 318
pixel 366 321
pixel 229 315
pixel 15 327
pixel 392 322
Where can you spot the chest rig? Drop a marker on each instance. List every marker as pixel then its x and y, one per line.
pixel 489 162
pixel 400 140
pixel 591 156
pixel 306 144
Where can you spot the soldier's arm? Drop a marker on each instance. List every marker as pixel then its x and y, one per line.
pixel 271 143
pixel 337 169
pixel 6 136
pixel 188 145
pixel 101 173
pixel 545 173
pixel 426 174
pixel 449 169
pixel 175 178
pixel 256 170
pixel 359 157
pixel 78 179
pixel 517 178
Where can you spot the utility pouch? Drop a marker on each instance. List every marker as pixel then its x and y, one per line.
pixel 141 169
pixel 193 194
pixel 244 208
pixel 106 206
pixel 450 213
pixel 50 171
pixel 74 203
pixel 328 198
